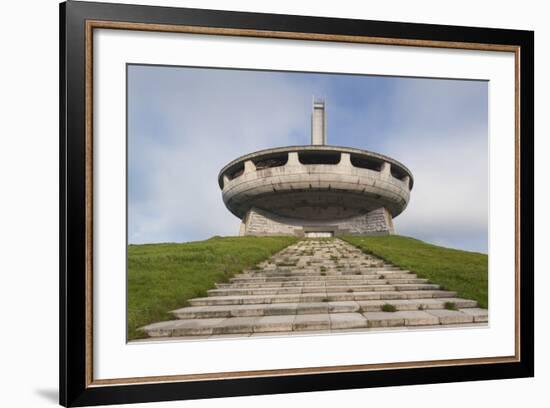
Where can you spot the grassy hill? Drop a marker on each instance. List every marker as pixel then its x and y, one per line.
pixel 460 271
pixel 162 277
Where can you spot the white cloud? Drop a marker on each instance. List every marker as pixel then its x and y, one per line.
pixel 443 139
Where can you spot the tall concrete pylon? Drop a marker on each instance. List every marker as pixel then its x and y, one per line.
pixel 318 122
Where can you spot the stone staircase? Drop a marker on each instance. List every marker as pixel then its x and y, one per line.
pixel 319 285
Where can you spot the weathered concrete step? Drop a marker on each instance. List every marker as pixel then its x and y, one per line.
pixel 298 290
pixel 238 279
pixel 324 274
pixel 423 318
pixel 406 280
pixel 296 278
pixel 405 318
pixel 355 271
pixel 289 259
pixel 416 286
pixel 320 321
pixel 335 282
pixel 415 304
pixel 265 324
pixel 320 297
pixel 300 274
pixel 328 257
pixel 396 274
pixel 272 309
pixel 319 271
pixel 318 289
pixel 310 263
pixel 479 315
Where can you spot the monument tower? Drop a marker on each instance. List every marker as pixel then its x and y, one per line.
pixel 315 190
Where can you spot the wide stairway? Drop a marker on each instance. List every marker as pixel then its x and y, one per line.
pixel 319 285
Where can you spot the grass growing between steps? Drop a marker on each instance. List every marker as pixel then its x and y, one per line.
pixel 162 277
pixel 460 271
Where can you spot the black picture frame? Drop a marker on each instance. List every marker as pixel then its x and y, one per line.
pixel 76 389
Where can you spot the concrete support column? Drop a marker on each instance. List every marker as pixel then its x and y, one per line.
pixel 225 180
pixel 345 160
pixel 249 166
pixel 407 181
pixel 386 170
pixel 293 159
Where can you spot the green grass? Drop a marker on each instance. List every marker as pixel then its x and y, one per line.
pixel 388 308
pixel 460 271
pixel 163 277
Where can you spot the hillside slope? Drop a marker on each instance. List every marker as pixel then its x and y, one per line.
pixel 162 277
pixel 456 270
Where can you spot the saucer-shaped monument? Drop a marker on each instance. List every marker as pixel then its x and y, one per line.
pixel 315 190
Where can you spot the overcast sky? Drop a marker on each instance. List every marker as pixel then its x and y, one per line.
pixel 185 124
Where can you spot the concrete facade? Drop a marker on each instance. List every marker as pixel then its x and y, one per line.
pixel 262 223
pixel 301 190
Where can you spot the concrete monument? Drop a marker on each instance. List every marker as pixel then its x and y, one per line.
pixel 315 190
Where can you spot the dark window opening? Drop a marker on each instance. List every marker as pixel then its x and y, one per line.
pixel 369 163
pixel 398 172
pixel 271 161
pixel 319 157
pixel 235 171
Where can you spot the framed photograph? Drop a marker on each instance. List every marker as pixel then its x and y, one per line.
pixel 256 203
